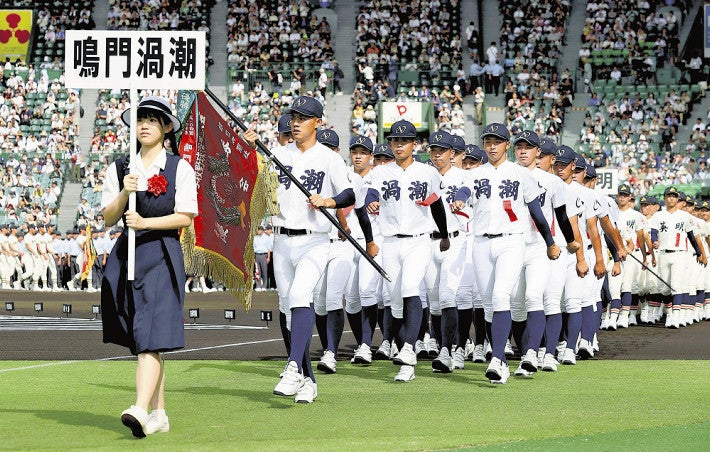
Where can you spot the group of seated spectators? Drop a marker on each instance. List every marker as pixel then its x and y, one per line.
pixel 631 38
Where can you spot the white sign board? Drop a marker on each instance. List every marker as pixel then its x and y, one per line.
pixel 102 59
pixel 608 180
pixel 397 111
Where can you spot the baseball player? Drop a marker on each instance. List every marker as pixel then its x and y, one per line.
pixel 301 240
pixel 407 195
pixel 443 276
pixel 527 306
pixel 504 196
pixel 669 230
pixel 5 257
pixel 694 268
pixel 704 213
pixel 458 146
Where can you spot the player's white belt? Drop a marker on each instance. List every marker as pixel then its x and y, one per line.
pixel 407 236
pixel 672 251
pixel 436 235
pixel 495 236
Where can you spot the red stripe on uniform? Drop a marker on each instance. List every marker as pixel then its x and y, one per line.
pixel 429 201
pixel 508 207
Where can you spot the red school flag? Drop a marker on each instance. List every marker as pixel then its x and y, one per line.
pixel 226 169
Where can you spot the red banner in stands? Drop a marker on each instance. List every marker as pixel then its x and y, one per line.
pixel 226 170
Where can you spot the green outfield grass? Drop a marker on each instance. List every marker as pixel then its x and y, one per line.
pixel 228 405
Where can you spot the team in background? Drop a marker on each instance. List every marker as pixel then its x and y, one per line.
pixel 527 252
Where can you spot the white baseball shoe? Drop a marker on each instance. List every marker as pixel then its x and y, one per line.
pixel 363 355
pixel 479 354
pixel 406 356
pixel 561 347
pixel 443 362
pixel 383 351
pixel 406 373
pixel 612 322
pixel 509 348
pixel 459 358
pixel 468 350
pixel 529 361
pixel 135 418
pixel 568 357
pixel 623 321
pixel 327 363
pixel 540 357
pixel 291 381
pixel 308 392
pixel 158 422
pixel 644 315
pixel 420 349
pixel 432 347
pixel 549 363
pixel 633 321
pixel 585 350
pixel 488 350
pixel 498 372
pixel 521 372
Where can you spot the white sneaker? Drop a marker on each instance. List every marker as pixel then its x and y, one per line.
pixel 498 371
pixel 187 287
pixel 135 418
pixel 488 350
pixel 57 288
pixel 561 347
pixel 595 343
pixel 383 351
pixel 568 357
pixel 509 348
pixel 632 318
pixel 394 350
pixel 157 423
pixel 644 315
pixel 529 361
pixel 443 362
pixel 605 321
pixel 432 347
pixel 623 321
pixel 327 363
pixel 697 314
pixel 479 354
pixel 613 322
pixel 585 350
pixel 406 356
pixel 706 310
pixel 406 373
pixel 363 355
pixel 468 350
pixel 459 358
pixel 520 372
pixel 197 289
pixel 308 392
pixel 283 371
pixel 291 381
pixel 672 320
pixel 541 357
pixel 420 349
pixel 549 363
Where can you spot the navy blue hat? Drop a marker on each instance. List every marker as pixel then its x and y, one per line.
pixel 328 137
pixel 402 129
pixel 548 147
pixel 458 143
pixel 474 152
pixel 645 199
pixel 284 124
pixel 590 172
pixel 671 191
pixel 441 139
pixel 579 162
pixel 359 140
pixel 496 130
pixel 565 155
pixel 383 149
pixel 682 196
pixel 529 137
pixel 307 106
pixel 625 189
pixel 705 205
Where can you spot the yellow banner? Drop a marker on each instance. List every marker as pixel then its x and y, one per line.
pixel 15 34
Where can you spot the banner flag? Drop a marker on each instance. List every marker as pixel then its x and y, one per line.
pixel 89 254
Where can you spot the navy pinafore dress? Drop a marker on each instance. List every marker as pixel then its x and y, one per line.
pixel 146 314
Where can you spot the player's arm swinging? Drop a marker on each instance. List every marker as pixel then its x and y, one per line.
pixel 566 227
pixel 613 233
pixel 593 231
pixel 553 251
pixel 698 247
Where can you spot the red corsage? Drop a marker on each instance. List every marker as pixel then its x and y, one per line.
pixel 157 185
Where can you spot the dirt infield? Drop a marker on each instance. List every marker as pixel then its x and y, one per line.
pixel 213 337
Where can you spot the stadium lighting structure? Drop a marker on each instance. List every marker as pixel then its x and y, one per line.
pixel 230 314
pixel 193 313
pixel 66 309
pixel 267 316
pixel 39 307
pixel 9 306
pixel 96 310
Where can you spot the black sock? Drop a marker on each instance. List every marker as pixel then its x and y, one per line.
pixel 322 328
pixel 388 331
pixel 464 326
pixel 479 325
pixel 436 327
pixel 412 319
pixel 285 333
pixel 369 319
pixel 355 321
pixel 336 323
pixel 518 329
pixel 424 326
pixel 449 321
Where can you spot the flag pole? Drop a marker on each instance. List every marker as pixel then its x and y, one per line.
pixel 264 150
pixel 132 197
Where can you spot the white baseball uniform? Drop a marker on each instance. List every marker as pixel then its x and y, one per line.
pixel 672 260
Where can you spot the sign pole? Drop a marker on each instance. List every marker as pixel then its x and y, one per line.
pixel 132 196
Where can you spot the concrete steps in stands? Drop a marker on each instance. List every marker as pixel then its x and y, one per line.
pixel 66 217
pixel 88 99
pixel 218 45
pixel 574 118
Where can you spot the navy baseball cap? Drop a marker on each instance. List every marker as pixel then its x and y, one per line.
pixel 307 106
pixel 690 201
pixel 529 137
pixel 579 162
pixel 496 130
pixel 328 137
pixel 646 200
pixel 671 191
pixel 705 205
pixel 383 149
pixel 441 139
pixel 476 153
pixel 625 189
pixel 458 143
pixel 548 147
pixel 565 155
pixel 590 172
pixel 402 129
pixel 682 196
pixel 359 140
pixel 284 124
